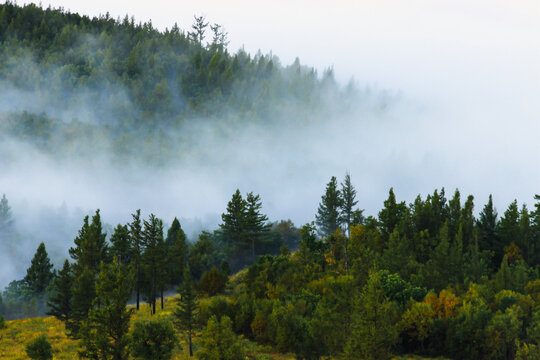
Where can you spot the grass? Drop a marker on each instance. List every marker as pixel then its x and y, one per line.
pixel 13 340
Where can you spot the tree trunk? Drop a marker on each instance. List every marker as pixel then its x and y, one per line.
pixel 162 298
pixel 138 284
pixel 190 347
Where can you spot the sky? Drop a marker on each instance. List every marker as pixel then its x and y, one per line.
pixel 466 75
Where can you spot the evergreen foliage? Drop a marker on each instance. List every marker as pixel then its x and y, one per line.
pixel 39 349
pixel 59 302
pixel 39 274
pixel 186 310
pixel 328 218
pixel 153 339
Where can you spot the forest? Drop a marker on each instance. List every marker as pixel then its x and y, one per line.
pixel 439 277
pixel 427 278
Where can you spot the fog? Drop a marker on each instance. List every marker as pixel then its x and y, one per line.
pixel 449 97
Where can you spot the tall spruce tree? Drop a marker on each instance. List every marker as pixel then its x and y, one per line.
pixel 137 249
pixel 348 194
pixel 176 254
pixel 327 218
pixel 390 215
pixel 90 250
pixel 59 302
pixel 105 332
pixel 154 258
pixel 121 244
pixel 176 246
pixel 256 223
pixel 233 226
pixel 186 310
pixel 487 225
pixel 39 274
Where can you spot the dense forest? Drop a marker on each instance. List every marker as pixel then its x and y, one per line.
pixel 437 277
pixel 427 278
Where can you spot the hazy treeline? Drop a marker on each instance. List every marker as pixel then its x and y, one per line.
pixel 428 277
pixel 71 84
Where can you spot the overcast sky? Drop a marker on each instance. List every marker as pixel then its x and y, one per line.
pixel 467 73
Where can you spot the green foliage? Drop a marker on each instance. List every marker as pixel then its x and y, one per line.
pixel 153 339
pixel 39 349
pixel 328 213
pixel 121 244
pixel 374 333
pixel 219 341
pixel 105 332
pixel 213 282
pixel 3 324
pixel 39 274
pixel 59 302
pixel 186 310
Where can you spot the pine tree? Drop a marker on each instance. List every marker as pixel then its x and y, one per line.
pixel 6 219
pixel 154 257
pixel 91 249
pixel 507 230
pixel 59 302
pixel 39 274
pixel 185 312
pixel 176 252
pixel 348 193
pixel 256 225
pixel 374 332
pixel 234 222
pixel 137 249
pixel 390 215
pixel 487 225
pixel 105 333
pixel 327 218
pixel 121 244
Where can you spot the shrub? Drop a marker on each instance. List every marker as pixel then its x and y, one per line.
pixel 39 349
pixel 153 340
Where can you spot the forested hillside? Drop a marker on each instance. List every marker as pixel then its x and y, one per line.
pixel 70 82
pixel 439 277
pixel 427 278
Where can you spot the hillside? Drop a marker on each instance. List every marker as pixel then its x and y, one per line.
pixel 70 82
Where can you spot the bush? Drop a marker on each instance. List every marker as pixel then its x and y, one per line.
pixel 3 324
pixel 213 282
pixel 219 342
pixel 39 349
pixel 153 340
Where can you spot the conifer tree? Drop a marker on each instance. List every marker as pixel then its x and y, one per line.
pixel 6 219
pixel 154 257
pixel 176 252
pixel 90 250
pixel 185 312
pixel 327 218
pixel 121 244
pixel 39 274
pixel 105 332
pixel 59 302
pixel 348 193
pixel 137 249
pixel 374 332
pixel 507 231
pixel 234 220
pixel 487 225
pixel 256 224
pixel 390 215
